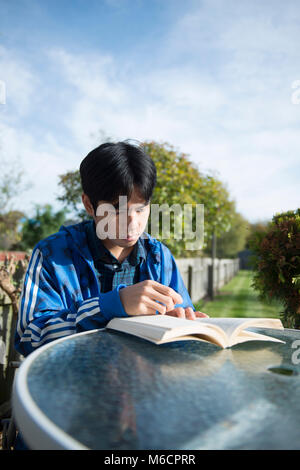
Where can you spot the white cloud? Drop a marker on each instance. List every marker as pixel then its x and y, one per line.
pixel 20 83
pixel 42 163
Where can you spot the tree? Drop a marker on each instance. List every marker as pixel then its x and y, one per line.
pixel 254 228
pixel 44 223
pixel 11 185
pixel 230 242
pixel 72 190
pixel 9 225
pixel 180 181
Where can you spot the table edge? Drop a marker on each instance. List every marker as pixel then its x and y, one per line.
pixel 39 432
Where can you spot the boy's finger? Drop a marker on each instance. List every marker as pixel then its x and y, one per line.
pixel 201 314
pixel 168 291
pixel 177 312
pixel 190 314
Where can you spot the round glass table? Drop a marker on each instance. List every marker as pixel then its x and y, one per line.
pixel 108 390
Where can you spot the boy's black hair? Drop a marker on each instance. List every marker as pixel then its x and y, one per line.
pixel 113 169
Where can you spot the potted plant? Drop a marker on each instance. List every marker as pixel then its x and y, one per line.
pixel 276 264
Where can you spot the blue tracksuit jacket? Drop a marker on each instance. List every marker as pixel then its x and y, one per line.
pixel 61 294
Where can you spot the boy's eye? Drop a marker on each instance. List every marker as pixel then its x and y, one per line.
pixel 141 209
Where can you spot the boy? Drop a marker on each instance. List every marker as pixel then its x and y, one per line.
pixel 85 274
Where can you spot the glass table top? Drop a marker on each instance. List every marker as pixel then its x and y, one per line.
pixel 109 390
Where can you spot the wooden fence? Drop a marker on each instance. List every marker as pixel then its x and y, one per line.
pixel 8 355
pixel 203 277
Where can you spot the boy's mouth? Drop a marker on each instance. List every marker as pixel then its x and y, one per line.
pixel 132 237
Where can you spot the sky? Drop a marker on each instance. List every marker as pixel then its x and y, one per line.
pixel 217 79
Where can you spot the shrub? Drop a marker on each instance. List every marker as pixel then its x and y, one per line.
pixel 276 264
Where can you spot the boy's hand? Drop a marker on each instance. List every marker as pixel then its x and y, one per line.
pixel 140 299
pixel 187 313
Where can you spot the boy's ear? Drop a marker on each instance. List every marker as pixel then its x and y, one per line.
pixel 87 204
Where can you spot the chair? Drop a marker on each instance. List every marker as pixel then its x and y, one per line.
pixel 9 430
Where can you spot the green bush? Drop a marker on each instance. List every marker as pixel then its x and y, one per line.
pixel 276 264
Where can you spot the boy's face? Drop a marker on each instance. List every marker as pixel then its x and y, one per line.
pixel 121 223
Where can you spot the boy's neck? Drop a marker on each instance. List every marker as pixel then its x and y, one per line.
pixel 119 252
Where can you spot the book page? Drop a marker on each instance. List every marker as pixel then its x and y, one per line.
pixel 228 325
pixel 165 327
pixel 233 326
pixel 165 322
pixel 244 336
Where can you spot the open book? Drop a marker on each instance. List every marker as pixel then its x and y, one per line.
pixel 224 332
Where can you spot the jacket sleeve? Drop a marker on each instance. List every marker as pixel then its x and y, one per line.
pixel 44 315
pixel 171 277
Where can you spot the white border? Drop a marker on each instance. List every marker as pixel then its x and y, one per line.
pixel 39 432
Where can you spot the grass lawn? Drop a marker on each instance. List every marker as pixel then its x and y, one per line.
pixel 239 299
